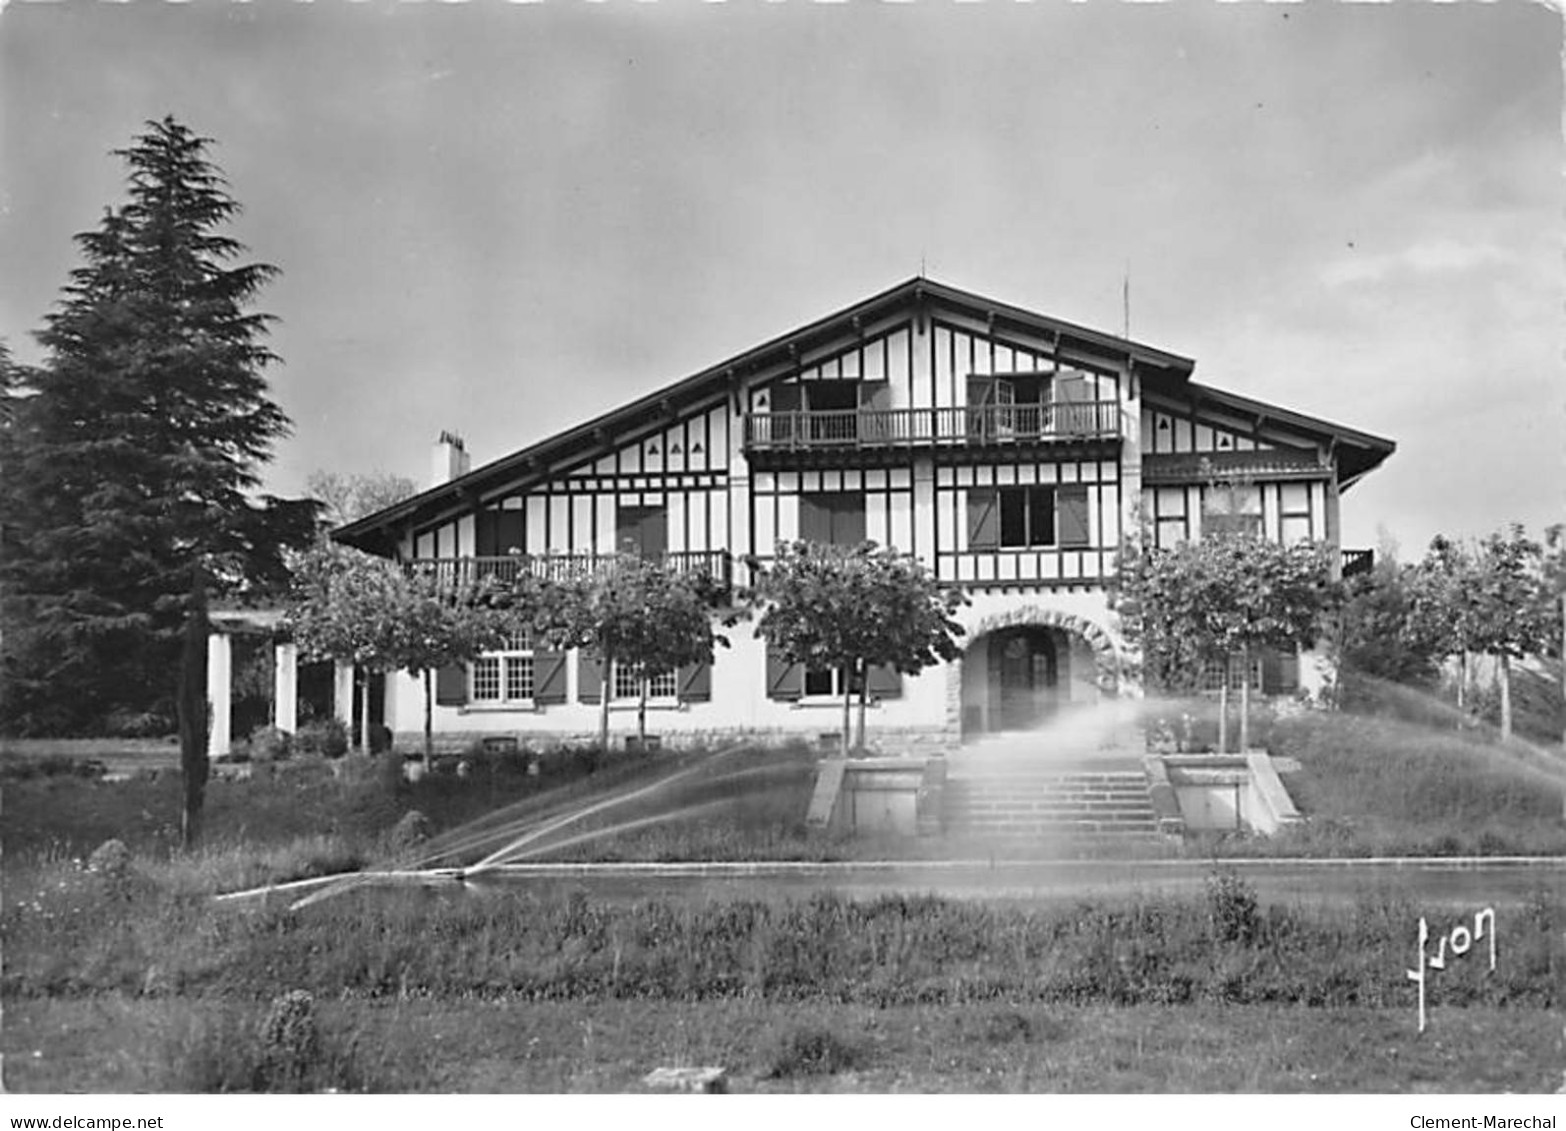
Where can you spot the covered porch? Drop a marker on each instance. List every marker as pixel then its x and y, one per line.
pixel 230 626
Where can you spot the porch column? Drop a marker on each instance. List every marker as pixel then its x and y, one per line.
pixel 285 686
pixel 342 692
pixel 220 664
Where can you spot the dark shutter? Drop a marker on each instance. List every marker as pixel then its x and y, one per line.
pixel 549 677
pixel 589 676
pixel 510 531
pixel 785 403
pixel 695 683
pixel 885 682
pixel 451 685
pixel 815 520
pixel 784 680
pixel 848 519
pixel 1072 512
pixel 1280 672
pixel 1073 416
pixel 983 519
pixel 486 535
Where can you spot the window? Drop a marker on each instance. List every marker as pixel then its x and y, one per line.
pixel 1232 509
pixel 506 675
pixel 828 681
pixel 1214 672
pixel 627 686
pixel 1018 517
pixel 642 530
pixel 1169 517
pixel 1294 513
pixel 833 519
pixel 499 531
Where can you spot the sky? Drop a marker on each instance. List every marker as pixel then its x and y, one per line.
pixel 504 219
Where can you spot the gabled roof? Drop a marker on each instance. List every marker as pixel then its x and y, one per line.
pixel 1358 453
pixel 919 294
pixel 588 438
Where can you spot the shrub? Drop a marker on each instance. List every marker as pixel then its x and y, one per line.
pixel 327 737
pixel 111 859
pixel 225 1049
pixel 813 1052
pixel 269 744
pixel 1232 908
pixel 412 830
pixel 289 1043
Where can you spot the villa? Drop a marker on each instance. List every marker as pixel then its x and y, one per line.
pixel 1009 451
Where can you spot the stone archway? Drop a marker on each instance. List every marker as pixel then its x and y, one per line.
pixel 1109 664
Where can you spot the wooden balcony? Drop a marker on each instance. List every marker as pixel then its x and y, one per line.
pixel 897 429
pixel 1357 561
pixel 716 565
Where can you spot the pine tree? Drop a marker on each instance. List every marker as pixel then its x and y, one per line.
pixel 136 457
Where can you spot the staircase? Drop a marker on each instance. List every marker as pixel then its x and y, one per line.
pixel 1045 799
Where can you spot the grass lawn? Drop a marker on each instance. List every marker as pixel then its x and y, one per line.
pixel 138 981
pixel 122 1044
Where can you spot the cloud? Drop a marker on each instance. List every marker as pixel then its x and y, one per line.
pixel 1438 255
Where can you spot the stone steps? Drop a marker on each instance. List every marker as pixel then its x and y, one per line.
pixel 1026 799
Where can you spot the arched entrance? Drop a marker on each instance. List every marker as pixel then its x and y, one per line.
pixel 1027 667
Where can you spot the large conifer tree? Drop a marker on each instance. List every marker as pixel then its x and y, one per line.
pixel 135 458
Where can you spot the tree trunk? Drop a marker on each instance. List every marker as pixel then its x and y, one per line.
pixel 1462 679
pixel 193 712
pixel 641 717
pixel 848 698
pixel 864 694
pixel 607 689
pixel 1223 711
pixel 1563 661
pixel 364 710
pixel 1503 676
pixel 429 726
pixel 1245 698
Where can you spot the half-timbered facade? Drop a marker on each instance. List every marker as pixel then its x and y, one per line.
pixel 1010 451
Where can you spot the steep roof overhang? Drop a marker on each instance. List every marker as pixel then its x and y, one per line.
pixel 1355 453
pixel 923 297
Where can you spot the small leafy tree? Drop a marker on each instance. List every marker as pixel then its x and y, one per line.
pixel 1511 606
pixel 1387 628
pixel 1223 596
pixel 1555 585
pixel 1447 590
pixel 378 615
pixel 850 610
pixel 631 611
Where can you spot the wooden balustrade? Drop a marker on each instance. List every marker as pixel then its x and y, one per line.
pixel 715 564
pixel 1053 422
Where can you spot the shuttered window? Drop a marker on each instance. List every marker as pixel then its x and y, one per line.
pixel 1018 517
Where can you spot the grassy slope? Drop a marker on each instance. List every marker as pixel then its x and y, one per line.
pixel 1386 785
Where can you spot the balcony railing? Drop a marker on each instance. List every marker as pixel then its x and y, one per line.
pixel 806 430
pixel 717 565
pixel 1357 561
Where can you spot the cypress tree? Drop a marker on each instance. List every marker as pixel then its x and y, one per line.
pixel 135 458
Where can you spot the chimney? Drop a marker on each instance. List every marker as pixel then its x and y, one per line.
pixel 448 459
